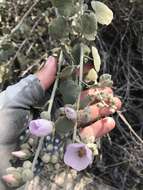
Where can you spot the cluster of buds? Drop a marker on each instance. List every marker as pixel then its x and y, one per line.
pixel 16 177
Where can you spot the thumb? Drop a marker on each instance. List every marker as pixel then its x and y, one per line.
pixel 48 73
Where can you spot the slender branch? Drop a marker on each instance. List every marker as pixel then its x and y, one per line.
pixel 49 110
pixel 80 86
pixel 129 126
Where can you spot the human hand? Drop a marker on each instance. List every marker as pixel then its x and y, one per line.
pixel 98 117
pixel 96 129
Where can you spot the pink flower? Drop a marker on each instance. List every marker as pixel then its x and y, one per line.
pixel 78 156
pixel 41 127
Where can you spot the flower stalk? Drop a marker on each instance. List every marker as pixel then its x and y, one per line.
pixel 80 86
pixel 49 110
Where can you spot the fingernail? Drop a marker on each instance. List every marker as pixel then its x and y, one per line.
pixel 50 60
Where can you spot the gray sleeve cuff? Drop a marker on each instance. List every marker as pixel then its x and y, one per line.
pixel 25 94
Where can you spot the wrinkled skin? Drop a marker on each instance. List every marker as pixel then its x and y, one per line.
pixel 9 132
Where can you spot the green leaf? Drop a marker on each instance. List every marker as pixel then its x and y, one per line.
pixel 96 58
pixel 88 25
pixel 59 28
pixel 65 8
pixel 62 3
pixel 66 72
pixel 76 52
pixel 69 90
pixel 104 15
pixel 92 75
pixel 86 49
pixel 64 125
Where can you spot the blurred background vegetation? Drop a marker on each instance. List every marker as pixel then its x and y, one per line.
pixel 25 44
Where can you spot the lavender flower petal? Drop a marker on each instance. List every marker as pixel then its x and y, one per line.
pixel 41 127
pixel 74 160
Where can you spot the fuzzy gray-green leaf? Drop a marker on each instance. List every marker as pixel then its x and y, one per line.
pixel 64 125
pixel 88 25
pixel 58 28
pixel 103 13
pixel 66 72
pixel 65 8
pixel 69 90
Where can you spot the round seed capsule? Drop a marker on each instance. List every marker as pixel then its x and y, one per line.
pixel 31 141
pixel 27 174
pixel 54 159
pixel 50 167
pixel 27 165
pixel 25 146
pixel 19 169
pixel 57 166
pixel 10 170
pixel 50 147
pixel 46 158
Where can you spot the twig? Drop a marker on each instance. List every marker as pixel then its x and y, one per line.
pixel 24 42
pixel 20 22
pixel 80 86
pixel 49 110
pixel 129 126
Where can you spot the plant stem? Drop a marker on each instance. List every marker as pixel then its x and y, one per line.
pixel 129 126
pixel 80 86
pixel 49 111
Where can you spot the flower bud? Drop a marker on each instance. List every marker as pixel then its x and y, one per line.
pixel 41 127
pixel 50 168
pixel 70 113
pixel 50 147
pixel 105 77
pixel 100 105
pixel 54 159
pixel 27 165
pixel 19 170
pixel 44 115
pixel 31 141
pixel 27 175
pixel 25 146
pixel 13 180
pixel 94 148
pixel 22 154
pixel 112 110
pixel 57 166
pixel 90 139
pixel 46 158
